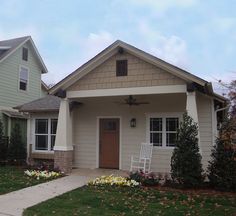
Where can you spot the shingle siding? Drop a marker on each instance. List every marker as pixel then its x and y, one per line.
pixel 140 74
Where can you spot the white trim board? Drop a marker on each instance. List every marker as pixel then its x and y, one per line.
pixel 167 89
pixel 97 138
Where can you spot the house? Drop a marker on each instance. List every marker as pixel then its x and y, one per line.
pixel 21 67
pixel 118 99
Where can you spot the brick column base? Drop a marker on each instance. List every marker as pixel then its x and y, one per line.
pixel 63 160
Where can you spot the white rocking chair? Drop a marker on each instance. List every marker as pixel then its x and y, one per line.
pixel 143 162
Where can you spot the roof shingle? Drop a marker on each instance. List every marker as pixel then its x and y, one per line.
pixel 49 103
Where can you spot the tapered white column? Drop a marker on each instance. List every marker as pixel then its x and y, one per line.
pixel 63 149
pixel 64 128
pixel 191 108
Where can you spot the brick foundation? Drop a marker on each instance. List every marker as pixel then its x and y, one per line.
pixel 63 160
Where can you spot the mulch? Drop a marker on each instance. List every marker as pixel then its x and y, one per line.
pixel 204 191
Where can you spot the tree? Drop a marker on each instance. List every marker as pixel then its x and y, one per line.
pixel 3 144
pixel 222 167
pixel 17 149
pixel 186 167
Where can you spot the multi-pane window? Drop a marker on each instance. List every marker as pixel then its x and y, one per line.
pixel 23 78
pixel 45 134
pixel 172 125
pixel 25 54
pixel 163 131
pixel 156 131
pixel 121 68
pixel 53 132
pixel 41 134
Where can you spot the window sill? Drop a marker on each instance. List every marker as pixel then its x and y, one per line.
pixel 43 151
pixel 164 147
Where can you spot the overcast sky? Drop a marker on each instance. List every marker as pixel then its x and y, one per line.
pixel 196 35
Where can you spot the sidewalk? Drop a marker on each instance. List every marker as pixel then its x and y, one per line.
pixel 15 202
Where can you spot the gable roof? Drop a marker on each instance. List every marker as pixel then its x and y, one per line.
pixel 113 49
pixel 49 103
pixel 44 86
pixel 8 47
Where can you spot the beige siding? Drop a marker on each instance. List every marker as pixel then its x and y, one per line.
pixel 204 105
pixel 85 128
pixel 140 73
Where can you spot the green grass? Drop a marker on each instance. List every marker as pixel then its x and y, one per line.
pixel 13 178
pixel 90 200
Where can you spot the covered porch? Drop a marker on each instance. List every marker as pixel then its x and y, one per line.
pixel 79 140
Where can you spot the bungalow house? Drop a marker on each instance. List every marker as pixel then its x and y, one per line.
pixel 21 67
pixel 114 102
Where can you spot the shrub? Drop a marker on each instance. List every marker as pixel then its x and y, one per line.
pixel 17 149
pixel 145 179
pixel 222 167
pixel 186 167
pixel 3 144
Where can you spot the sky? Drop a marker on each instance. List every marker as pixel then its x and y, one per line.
pixel 196 35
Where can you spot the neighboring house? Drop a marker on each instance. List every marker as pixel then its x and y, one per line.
pixel 21 68
pixel 114 102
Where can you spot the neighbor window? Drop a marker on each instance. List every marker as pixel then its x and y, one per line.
pixel 45 134
pixel 25 54
pixel 23 78
pixel 121 68
pixel 163 131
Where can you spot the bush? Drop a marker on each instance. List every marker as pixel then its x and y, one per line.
pixel 222 167
pixel 3 145
pixel 186 167
pixel 145 179
pixel 17 149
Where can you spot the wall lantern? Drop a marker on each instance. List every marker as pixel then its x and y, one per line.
pixel 133 122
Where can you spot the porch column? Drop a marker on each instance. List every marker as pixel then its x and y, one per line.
pixel 63 149
pixel 191 108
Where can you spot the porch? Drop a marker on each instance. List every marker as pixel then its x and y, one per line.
pixel 79 128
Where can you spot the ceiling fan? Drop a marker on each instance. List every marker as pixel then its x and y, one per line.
pixel 131 101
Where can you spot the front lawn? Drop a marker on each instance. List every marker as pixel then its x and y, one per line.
pixel 13 178
pixel 91 200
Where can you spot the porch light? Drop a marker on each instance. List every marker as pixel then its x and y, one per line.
pixel 133 122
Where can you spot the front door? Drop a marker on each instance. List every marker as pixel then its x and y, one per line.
pixel 109 143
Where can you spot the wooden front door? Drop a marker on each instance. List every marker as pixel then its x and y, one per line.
pixel 109 143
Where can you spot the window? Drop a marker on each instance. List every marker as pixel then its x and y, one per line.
pixel 45 134
pixel 121 68
pixel 163 131
pixel 25 54
pixel 23 78
pixel 156 131
pixel 172 124
pixel 53 132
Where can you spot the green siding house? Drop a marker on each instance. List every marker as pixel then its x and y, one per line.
pixel 21 67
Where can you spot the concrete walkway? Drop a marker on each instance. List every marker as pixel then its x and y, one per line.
pixel 14 203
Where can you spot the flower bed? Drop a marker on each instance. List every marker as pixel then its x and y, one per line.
pixel 113 180
pixel 145 179
pixel 38 174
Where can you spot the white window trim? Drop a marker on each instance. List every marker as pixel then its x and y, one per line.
pixel 27 86
pixel 163 116
pixel 48 134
